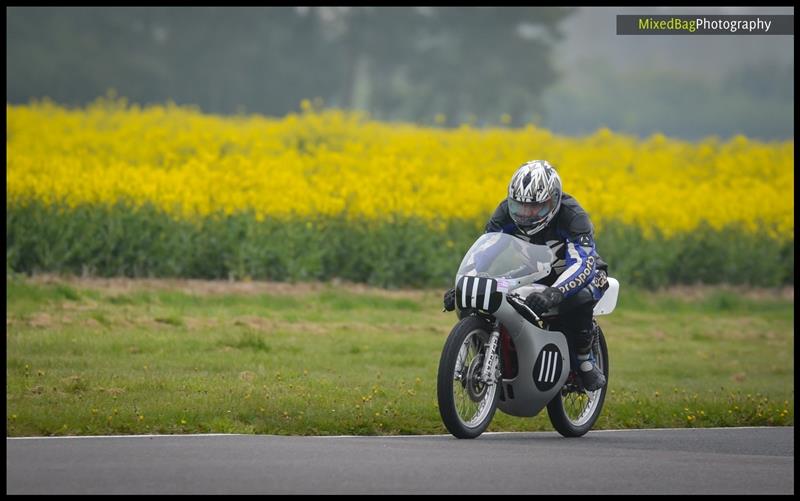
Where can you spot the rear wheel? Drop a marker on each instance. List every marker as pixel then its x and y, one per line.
pixel 574 410
pixel 466 404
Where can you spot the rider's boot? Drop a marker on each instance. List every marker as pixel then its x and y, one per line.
pixel 591 375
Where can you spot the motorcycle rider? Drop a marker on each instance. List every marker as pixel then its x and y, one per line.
pixel 538 211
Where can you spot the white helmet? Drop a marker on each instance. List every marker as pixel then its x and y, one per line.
pixel 534 196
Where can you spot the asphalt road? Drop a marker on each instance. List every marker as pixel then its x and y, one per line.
pixel 666 461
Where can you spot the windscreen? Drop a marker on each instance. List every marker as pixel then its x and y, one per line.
pixel 500 255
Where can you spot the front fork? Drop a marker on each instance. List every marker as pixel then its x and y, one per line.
pixel 491 359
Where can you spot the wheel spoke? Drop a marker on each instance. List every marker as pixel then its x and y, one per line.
pixel 580 405
pixel 469 411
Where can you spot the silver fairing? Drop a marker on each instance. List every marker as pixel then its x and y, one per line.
pixel 543 365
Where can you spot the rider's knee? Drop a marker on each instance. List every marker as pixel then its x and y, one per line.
pixel 582 301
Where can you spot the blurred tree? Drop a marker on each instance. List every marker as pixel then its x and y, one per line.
pixel 407 63
pixel 222 59
pixel 455 61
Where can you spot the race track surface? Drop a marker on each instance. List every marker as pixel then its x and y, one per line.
pixel 664 461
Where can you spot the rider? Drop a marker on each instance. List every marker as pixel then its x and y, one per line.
pixel 537 211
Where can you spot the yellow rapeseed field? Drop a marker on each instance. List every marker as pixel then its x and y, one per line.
pixel 329 162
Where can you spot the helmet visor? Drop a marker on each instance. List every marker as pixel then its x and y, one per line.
pixel 530 213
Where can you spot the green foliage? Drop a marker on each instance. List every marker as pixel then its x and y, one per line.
pixel 704 255
pixel 143 242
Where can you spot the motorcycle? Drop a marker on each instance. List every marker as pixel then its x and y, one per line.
pixel 502 355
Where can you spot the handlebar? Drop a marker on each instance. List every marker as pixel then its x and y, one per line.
pixel 523 309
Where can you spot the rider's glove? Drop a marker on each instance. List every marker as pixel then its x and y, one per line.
pixel 540 302
pixel 450 300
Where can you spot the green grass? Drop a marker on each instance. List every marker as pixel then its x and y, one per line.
pixel 92 357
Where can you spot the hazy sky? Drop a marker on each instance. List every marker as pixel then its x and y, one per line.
pixel 591 38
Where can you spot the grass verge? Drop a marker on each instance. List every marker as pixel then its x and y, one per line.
pixel 177 356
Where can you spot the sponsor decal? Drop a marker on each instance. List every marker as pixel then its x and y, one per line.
pixel 601 279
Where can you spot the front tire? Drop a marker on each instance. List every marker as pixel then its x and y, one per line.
pixel 573 411
pixel 466 404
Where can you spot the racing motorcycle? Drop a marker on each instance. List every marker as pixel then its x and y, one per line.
pixel 501 354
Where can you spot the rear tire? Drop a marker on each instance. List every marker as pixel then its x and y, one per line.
pixel 466 405
pixel 573 411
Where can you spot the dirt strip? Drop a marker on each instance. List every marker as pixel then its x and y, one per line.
pixel 221 287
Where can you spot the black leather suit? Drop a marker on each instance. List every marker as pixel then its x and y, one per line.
pixel 578 271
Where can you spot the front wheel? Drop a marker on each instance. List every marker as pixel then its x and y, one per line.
pixel 466 404
pixel 574 410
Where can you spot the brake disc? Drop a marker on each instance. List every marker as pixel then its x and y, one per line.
pixel 475 388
